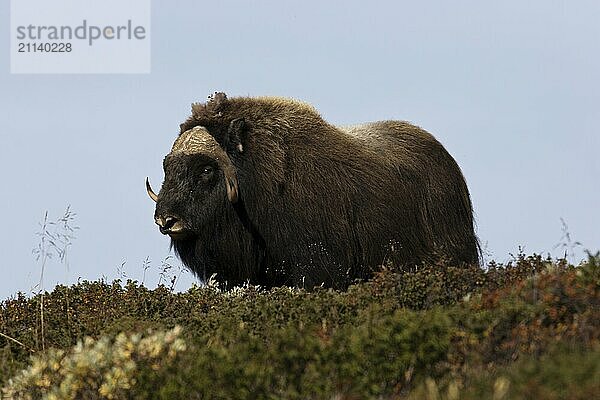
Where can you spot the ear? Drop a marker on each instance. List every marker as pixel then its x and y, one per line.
pixel 236 134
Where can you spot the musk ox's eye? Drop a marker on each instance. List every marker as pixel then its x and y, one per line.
pixel 206 173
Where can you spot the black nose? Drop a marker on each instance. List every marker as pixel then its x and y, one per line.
pixel 165 222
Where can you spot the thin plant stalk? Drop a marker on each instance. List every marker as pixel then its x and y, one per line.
pixel 55 238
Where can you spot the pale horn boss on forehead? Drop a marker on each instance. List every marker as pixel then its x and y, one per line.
pixel 199 141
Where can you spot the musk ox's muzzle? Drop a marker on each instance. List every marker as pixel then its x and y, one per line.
pixel 196 141
pixel 167 224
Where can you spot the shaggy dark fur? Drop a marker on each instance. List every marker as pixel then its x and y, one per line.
pixel 330 204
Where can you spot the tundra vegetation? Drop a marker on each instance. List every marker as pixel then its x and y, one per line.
pixel 528 329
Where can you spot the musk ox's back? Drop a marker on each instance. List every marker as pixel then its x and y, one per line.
pixel 291 199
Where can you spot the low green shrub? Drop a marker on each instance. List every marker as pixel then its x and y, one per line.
pixel 103 368
pixel 437 330
pixel 566 372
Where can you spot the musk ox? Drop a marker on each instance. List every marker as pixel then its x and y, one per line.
pixel 263 190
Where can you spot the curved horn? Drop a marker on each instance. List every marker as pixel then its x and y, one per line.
pixel 232 186
pixel 151 193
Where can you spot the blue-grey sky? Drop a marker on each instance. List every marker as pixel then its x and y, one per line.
pixel 512 89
